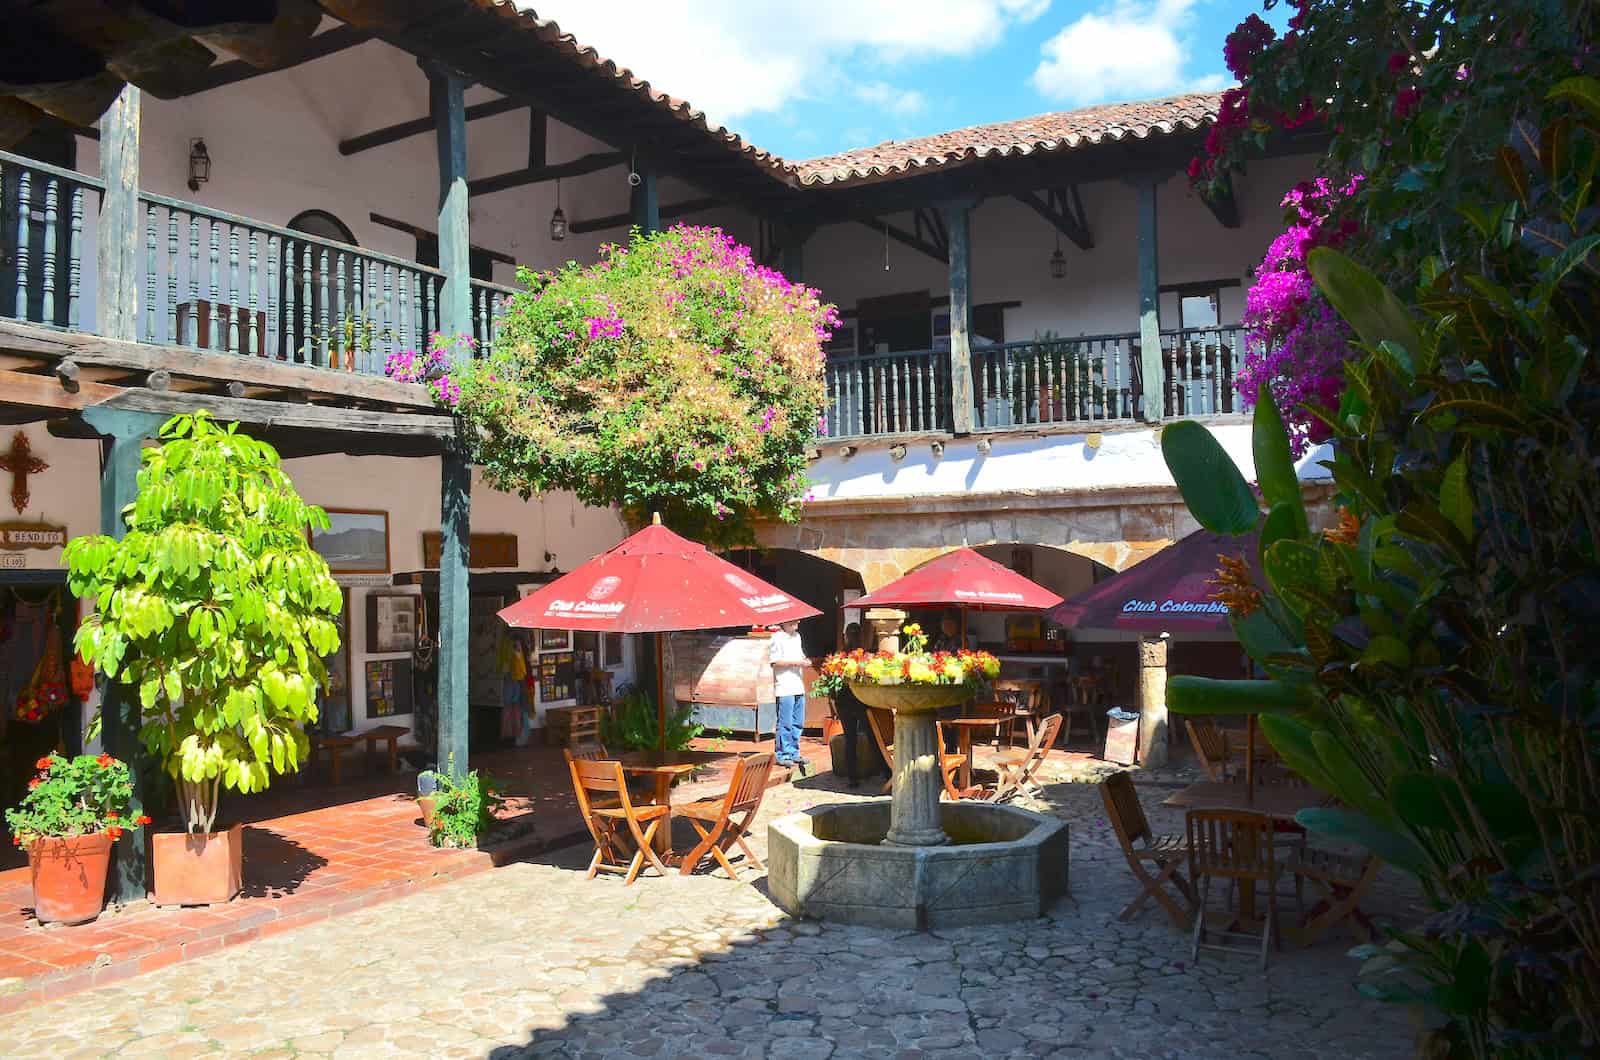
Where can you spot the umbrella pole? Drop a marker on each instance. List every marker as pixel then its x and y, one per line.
pixel 661 692
pixel 1250 759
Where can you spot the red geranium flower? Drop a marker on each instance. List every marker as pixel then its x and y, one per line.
pixel 112 815
pixel 114 832
pixel 104 761
pixel 34 783
pixel 142 819
pixel 43 763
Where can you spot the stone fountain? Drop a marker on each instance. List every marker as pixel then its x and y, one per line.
pixel 910 861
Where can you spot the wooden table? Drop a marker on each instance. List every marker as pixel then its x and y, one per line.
pixel 964 730
pixel 1280 802
pixel 665 767
pixel 337 743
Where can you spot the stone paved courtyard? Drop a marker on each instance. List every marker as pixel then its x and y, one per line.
pixel 530 959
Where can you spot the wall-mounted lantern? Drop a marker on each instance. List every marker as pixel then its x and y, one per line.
pixel 558 220
pixel 199 164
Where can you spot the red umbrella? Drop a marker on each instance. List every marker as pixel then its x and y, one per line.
pixel 963 578
pixel 1167 593
pixel 655 582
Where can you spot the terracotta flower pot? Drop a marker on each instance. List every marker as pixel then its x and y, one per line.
pixel 426 803
pixel 197 870
pixel 69 877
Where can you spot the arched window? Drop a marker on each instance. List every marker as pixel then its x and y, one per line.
pixel 306 322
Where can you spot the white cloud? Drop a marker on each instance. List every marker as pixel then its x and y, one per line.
pixel 732 58
pixel 900 102
pixel 1128 50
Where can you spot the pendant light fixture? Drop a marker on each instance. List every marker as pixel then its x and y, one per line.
pixel 886 246
pixel 558 220
pixel 1058 261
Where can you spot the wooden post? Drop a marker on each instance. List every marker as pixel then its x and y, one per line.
pixel 119 705
pixel 957 218
pixel 118 280
pixel 661 691
pixel 1149 299
pixel 448 111
pixel 455 525
pixel 644 205
pixel 1152 701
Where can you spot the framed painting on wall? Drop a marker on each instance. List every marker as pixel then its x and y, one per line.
pixel 356 541
pixel 391 622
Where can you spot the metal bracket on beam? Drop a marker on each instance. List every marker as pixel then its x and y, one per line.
pixel 1063 208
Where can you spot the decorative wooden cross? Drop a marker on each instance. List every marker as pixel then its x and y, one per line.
pixel 20 461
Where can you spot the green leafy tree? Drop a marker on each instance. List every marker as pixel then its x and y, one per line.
pixel 675 375
pixel 215 609
pixel 1431 659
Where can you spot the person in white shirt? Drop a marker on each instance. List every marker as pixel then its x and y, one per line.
pixel 788 660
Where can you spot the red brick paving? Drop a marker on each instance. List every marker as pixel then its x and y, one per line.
pixel 311 852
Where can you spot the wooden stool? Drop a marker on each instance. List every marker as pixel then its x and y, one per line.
pixel 572 727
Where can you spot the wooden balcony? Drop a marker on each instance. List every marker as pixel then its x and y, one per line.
pixel 1084 383
pixel 212 281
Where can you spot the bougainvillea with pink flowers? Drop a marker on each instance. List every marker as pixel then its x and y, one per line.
pixel 675 375
pixel 1294 341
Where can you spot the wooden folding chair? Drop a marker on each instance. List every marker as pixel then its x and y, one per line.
pixel 1026 701
pixel 1237 846
pixel 1210 747
pixel 1168 853
pixel 881 722
pixel 602 790
pixel 1017 767
pixel 950 764
pixel 714 817
pixel 1343 880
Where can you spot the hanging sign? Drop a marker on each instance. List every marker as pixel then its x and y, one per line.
pixel 32 535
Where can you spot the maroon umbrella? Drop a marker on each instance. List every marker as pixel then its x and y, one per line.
pixel 655 582
pixel 1167 593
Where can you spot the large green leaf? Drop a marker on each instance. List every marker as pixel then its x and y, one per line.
pixel 1208 695
pixel 1350 826
pixel 1292 739
pixel 1212 487
pixel 1581 90
pixel 1370 308
pixel 1275 473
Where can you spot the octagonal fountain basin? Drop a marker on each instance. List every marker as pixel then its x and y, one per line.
pixel 1002 863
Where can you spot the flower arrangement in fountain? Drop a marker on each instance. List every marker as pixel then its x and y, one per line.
pixel 916 665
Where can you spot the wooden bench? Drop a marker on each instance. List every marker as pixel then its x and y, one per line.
pixel 335 744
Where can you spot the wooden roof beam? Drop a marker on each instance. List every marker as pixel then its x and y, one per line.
pixel 1063 208
pixel 517 178
pixel 417 126
pixel 1223 206
pixel 618 220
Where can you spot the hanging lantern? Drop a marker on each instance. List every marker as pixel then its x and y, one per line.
pixel 558 220
pixel 1058 261
pixel 199 164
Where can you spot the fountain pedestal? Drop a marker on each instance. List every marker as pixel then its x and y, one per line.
pixel 914 819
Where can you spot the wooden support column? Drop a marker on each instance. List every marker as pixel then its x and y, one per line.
pixel 118 280
pixel 1152 701
pixel 125 433
pixel 455 525
pixel 449 113
pixel 644 204
pixel 957 220
pixel 1154 379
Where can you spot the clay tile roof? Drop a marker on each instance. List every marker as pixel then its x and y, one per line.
pixel 1061 131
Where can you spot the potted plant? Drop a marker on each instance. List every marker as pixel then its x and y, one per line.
pixel 74 810
pixel 217 610
pixel 463 808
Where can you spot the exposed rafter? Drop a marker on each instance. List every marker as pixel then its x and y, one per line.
pixel 417 231
pixel 1063 208
pixel 537 174
pixel 417 126
pixel 667 212
pixel 1223 206
pixel 538 137
pixel 336 39
pixel 928 235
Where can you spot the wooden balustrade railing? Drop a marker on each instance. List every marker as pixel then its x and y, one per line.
pixel 488 303
pixel 1042 382
pixel 1200 365
pixel 888 393
pixel 43 212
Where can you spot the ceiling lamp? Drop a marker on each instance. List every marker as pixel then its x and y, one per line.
pixel 558 220
pixel 1058 261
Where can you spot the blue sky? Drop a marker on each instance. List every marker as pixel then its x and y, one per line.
pixel 812 77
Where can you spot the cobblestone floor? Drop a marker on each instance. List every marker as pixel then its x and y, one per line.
pixel 531 960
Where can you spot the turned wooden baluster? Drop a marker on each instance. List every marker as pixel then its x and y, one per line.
pixel 306 305
pixel 346 342
pixel 252 329
pixel 172 278
pixel 215 331
pixel 50 218
pixel 23 209
pixel 233 290
pixel 74 256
